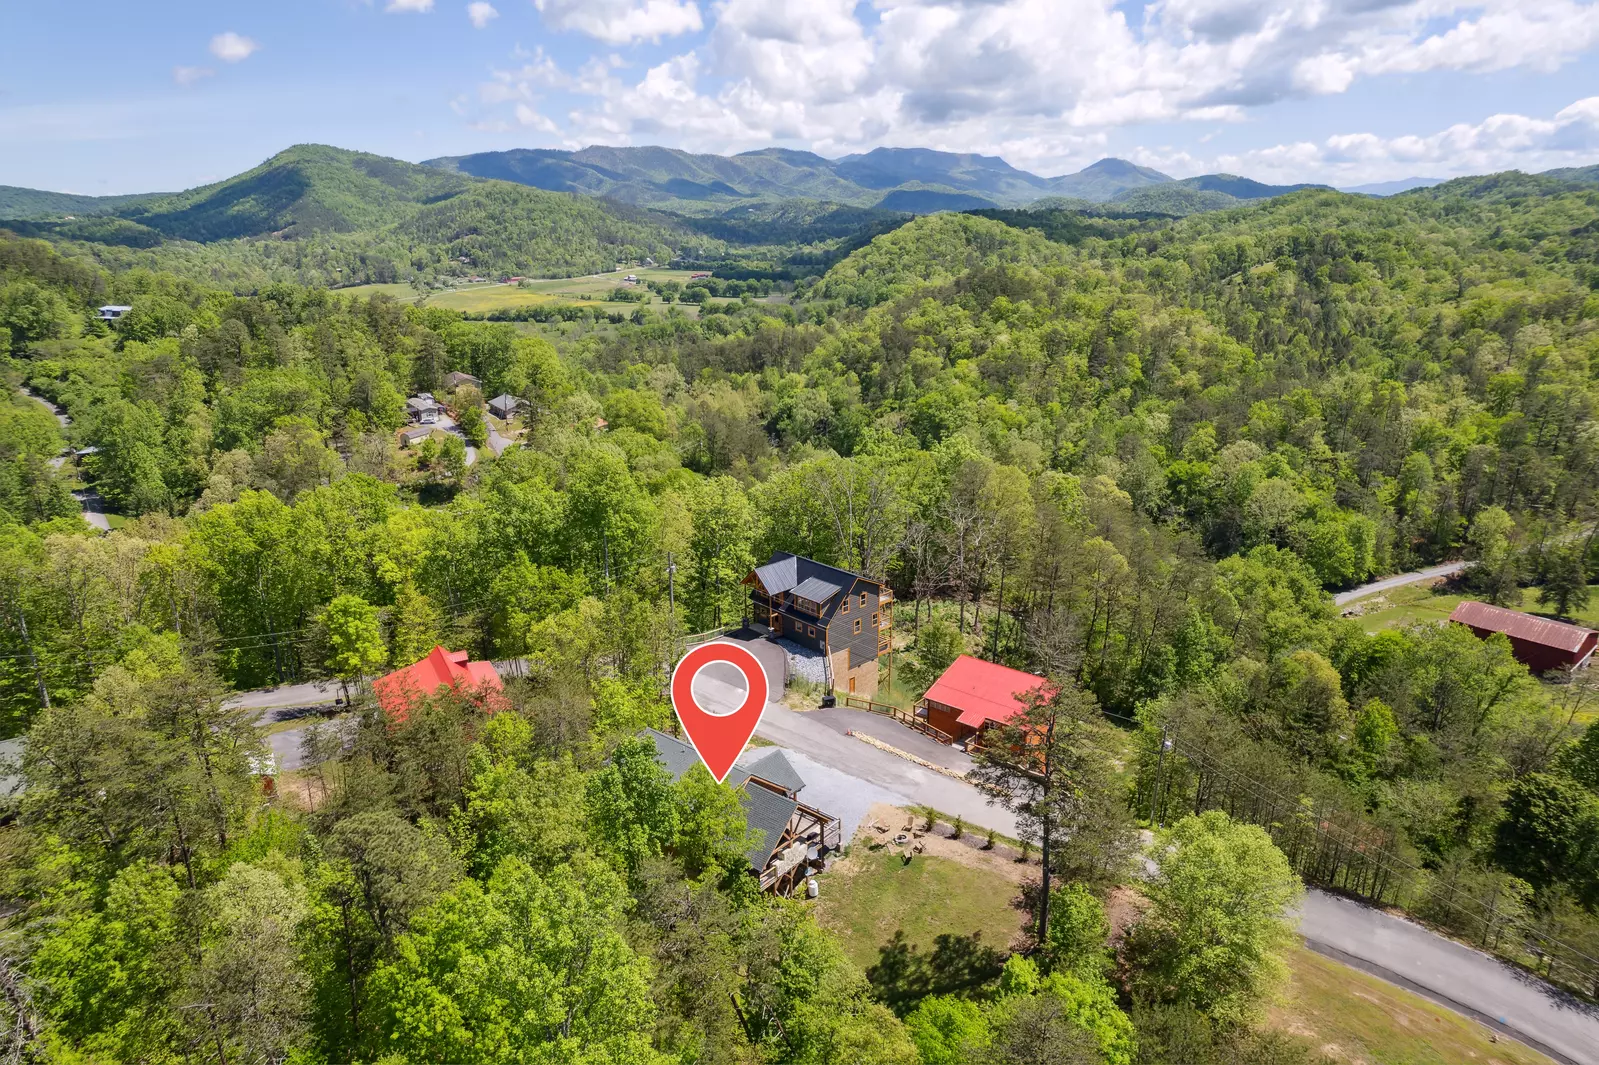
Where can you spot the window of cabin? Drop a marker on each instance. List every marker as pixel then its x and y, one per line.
pixel 857 624
pixel 845 609
pixel 874 619
pixel 810 630
pixel 863 600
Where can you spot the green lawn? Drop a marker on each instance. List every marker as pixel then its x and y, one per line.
pixel 1357 1018
pixel 477 299
pixel 1419 602
pixel 873 894
pixel 1406 606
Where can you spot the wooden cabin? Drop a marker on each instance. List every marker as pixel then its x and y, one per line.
pixel 846 616
pixel 791 839
pixel 972 694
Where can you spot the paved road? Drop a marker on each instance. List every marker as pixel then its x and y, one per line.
pixel 813 738
pixel 1463 979
pixel 1448 569
pixel 1395 949
pixel 94 511
pixel 311 693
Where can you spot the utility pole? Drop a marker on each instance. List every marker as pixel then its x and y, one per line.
pixel 999 610
pixel 33 659
pixel 1160 765
pixel 671 621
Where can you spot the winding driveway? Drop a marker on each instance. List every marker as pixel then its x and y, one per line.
pixel 94 511
pixel 1432 573
pixel 1454 975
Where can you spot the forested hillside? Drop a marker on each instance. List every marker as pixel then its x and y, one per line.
pixel 1132 453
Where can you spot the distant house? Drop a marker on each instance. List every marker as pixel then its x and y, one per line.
pixel 972 694
pixel 503 406
pixel 600 425
pixel 648 261
pixel 1538 643
pixel 415 434
pixel 630 279
pixel 696 277
pixel 423 408
pixel 111 312
pixel 442 670
pixel 455 379
pixel 791 839
pixel 844 615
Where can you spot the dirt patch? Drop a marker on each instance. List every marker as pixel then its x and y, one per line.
pixel 883 823
pixel 1123 907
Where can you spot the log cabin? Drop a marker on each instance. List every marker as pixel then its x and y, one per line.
pixel 848 617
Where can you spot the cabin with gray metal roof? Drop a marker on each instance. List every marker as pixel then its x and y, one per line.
pixel 791 840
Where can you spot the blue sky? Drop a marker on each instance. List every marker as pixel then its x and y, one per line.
pixel 103 98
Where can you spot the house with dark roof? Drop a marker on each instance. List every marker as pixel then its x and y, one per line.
pixel 1538 643
pixel 790 839
pixel 504 406
pixel 846 616
pixel 456 378
pixel 973 694
pixel 423 408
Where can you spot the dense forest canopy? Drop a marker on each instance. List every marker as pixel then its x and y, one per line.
pixel 1132 452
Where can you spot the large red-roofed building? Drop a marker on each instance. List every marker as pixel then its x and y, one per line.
pixel 1538 643
pixel 972 694
pixel 399 691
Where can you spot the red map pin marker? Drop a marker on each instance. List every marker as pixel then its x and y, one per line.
pixel 718 732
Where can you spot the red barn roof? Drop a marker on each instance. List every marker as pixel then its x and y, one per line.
pixel 398 691
pixel 983 692
pixel 1519 626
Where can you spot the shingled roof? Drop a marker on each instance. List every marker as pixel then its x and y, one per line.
pixel 1519 626
pixel 764 809
pixel 777 769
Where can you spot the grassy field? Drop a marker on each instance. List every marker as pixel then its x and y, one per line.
pixel 1405 606
pixel 1354 1018
pixel 872 894
pixel 1421 602
pixel 480 299
pixel 1362 1020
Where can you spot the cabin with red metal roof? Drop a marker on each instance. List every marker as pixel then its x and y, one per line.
pixel 443 669
pixel 1538 643
pixel 972 694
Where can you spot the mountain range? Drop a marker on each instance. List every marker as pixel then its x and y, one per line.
pixel 917 180
pixel 325 215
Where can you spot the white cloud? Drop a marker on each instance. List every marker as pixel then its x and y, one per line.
pixel 481 13
pixel 622 21
pixel 232 48
pixel 527 116
pixel 1037 81
pixel 408 7
pixel 1499 142
pixel 187 76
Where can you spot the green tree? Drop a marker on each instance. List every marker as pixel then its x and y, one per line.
pixel 248 995
pixel 1565 584
pixel 1046 765
pixel 1491 547
pixel 1217 926
pixel 1550 831
pixel 948 1030
pixel 294 459
pixel 524 969
pixel 1078 933
pixel 938 644
pixel 473 427
pixel 107 978
pixel 355 639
